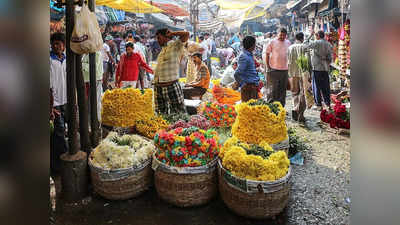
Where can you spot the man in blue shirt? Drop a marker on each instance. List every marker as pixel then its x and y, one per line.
pixel 246 74
pixel 235 38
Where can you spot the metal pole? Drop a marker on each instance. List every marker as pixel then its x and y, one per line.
pixel 94 120
pixel 71 80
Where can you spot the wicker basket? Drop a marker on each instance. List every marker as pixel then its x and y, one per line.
pixel 123 183
pixel 185 187
pixel 253 199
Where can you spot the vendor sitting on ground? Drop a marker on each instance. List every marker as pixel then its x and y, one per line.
pixel 199 86
pixel 228 77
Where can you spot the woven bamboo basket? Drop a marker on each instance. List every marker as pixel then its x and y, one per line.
pixel 121 184
pixel 253 199
pixel 185 187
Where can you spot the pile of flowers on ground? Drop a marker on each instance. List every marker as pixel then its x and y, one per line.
pixel 193 121
pixel 225 95
pixel 253 162
pixel 220 115
pixel 120 152
pixel 186 147
pixel 122 107
pixel 259 121
pixel 339 117
pixel 150 126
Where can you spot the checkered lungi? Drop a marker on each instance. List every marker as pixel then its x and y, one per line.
pixel 169 99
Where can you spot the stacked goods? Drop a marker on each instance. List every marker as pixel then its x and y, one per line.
pixel 120 166
pixel 253 179
pixel 225 95
pixel 220 115
pixel 185 166
pixel 186 147
pixel 123 107
pixel 150 126
pixel 339 117
pixel 259 121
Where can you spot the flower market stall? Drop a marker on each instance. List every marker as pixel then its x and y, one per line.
pixel 237 148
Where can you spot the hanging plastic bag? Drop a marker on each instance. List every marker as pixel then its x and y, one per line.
pixel 86 37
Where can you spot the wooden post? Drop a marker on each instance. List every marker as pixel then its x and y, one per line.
pixel 74 163
pixel 94 120
pixel 83 107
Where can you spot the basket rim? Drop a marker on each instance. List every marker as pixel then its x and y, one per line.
pixel 208 165
pixel 279 181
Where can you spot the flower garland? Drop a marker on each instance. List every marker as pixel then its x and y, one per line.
pixel 149 127
pixel 225 95
pixel 220 115
pixel 193 121
pixel 122 107
pixel 259 121
pixel 186 147
pixel 339 117
pixel 120 152
pixel 253 162
pixel 216 81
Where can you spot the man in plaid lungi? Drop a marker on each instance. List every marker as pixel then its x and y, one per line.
pixel 167 91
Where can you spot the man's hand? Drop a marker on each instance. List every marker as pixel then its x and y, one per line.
pixel 54 112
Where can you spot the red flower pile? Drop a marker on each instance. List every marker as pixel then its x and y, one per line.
pixel 339 117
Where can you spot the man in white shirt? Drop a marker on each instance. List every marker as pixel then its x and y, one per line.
pixel 108 61
pixel 58 100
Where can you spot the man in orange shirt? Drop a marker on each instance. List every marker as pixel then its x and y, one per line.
pixel 199 86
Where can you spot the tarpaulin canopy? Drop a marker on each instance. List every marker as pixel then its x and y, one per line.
pixel 236 4
pixel 170 9
pixel 134 6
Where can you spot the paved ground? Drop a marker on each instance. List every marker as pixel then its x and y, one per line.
pixel 320 193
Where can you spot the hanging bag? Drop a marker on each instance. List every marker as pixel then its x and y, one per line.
pixel 86 37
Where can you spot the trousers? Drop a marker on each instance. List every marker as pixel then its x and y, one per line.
pixel 321 86
pixel 277 81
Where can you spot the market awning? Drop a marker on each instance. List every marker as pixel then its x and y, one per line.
pixel 311 2
pixel 170 9
pixel 290 5
pixel 134 6
pixel 237 4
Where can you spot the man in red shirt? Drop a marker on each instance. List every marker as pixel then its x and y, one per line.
pixel 127 73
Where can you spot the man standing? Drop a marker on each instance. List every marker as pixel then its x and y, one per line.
pixel 246 74
pixel 99 76
pixel 141 49
pixel 58 93
pixel 167 90
pixel 321 57
pixel 108 61
pixel 211 44
pixel 299 101
pixel 128 68
pixel 277 66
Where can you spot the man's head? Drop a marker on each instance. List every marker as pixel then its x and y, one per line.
pixel 130 35
pixel 197 58
pixel 129 48
pixel 136 39
pixel 201 39
pixel 162 38
pixel 108 39
pixel 320 35
pixel 300 36
pixel 249 43
pixel 282 34
pixel 206 36
pixel 57 41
